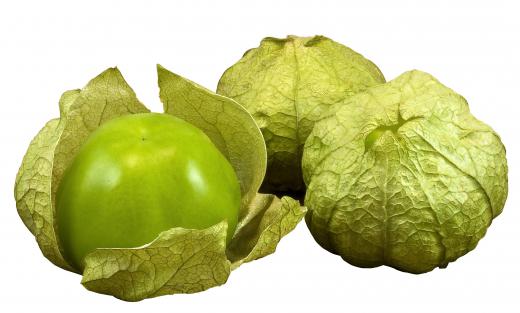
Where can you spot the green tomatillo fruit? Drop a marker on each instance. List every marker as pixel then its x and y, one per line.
pixel 137 176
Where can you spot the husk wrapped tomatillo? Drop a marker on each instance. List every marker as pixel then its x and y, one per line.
pixel 178 260
pixel 403 175
pixel 287 85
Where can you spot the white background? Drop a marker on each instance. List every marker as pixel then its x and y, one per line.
pixel 47 47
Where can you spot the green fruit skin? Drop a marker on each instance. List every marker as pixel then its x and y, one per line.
pixel 137 176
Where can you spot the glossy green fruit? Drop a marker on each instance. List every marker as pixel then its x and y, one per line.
pixel 137 176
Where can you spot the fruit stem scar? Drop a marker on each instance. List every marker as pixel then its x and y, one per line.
pixel 374 135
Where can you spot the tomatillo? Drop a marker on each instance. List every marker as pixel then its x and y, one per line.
pixel 137 176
